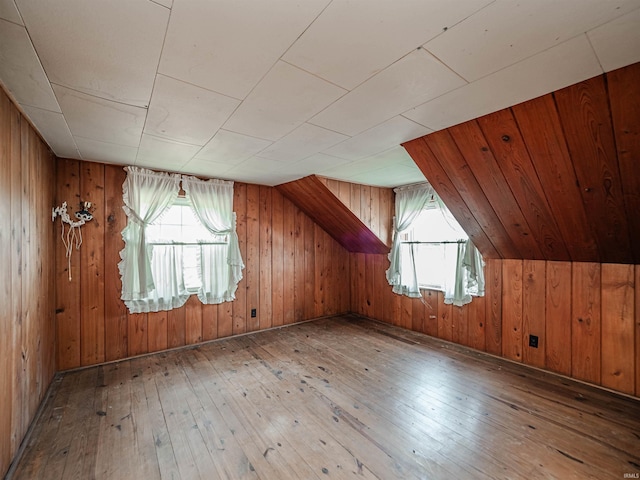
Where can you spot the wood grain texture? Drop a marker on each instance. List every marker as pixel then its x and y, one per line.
pixel 533 311
pixel 252 260
pixel 67 301
pixel 512 309
pixel 473 145
pixel 637 320
pixel 10 157
pixel 506 143
pixel 559 172
pixel 560 302
pixel 451 159
pixel 586 121
pixel 92 261
pixel 115 312
pixel 312 195
pixel 558 308
pixel 493 294
pixel 240 303
pixel 543 136
pixel 585 322
pixel 254 407
pixel 618 327
pixel 624 97
pixel 265 310
pixel 442 184
pixel 7 325
pixel 294 272
pixel 27 284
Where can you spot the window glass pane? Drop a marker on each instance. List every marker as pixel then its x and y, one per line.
pixel 191 267
pixel 430 265
pixel 180 225
pixel 172 216
pixel 435 262
pixel 432 226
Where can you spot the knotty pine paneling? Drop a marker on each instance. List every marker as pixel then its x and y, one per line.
pixel 585 118
pixel 585 315
pixel 374 206
pixel 312 195
pixel 294 271
pixel 27 332
pixel 624 97
pixel 552 178
pixel 439 178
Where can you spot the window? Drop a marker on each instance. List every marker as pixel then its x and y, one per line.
pixel 179 228
pixel 175 247
pixel 431 250
pixel 432 242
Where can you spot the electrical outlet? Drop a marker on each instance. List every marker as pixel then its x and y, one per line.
pixel 253 313
pixel 533 341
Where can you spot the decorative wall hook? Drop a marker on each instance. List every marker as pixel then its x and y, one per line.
pixel 73 234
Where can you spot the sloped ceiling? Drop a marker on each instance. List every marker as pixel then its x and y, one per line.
pixel 314 197
pixel 271 91
pixel 553 178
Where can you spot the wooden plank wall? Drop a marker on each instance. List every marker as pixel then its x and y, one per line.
pixel 313 196
pixel 27 360
pixel 374 206
pixel 586 315
pixel 294 271
pixel 553 178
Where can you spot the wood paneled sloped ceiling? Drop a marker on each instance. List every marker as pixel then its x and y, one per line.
pixel 553 178
pixel 312 195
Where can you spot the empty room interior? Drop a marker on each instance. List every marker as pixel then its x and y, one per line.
pixel 319 239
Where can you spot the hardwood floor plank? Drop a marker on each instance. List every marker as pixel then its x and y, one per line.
pixel 339 397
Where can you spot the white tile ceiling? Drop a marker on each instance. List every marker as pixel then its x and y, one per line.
pixel 268 92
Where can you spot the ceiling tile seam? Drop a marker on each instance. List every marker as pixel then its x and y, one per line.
pixel 103 141
pixel 170 140
pixel 316 76
pixel 81 92
pixel 528 57
pixel 158 72
pixel 297 125
pixel 495 72
pixel 305 30
pixel 33 47
pixel 271 142
pixel 421 46
pixel 160 5
pixel 613 19
pixel 13 23
pixel 285 162
pixel 595 53
pixel 25 104
pixel 443 63
pixel 64 119
pixel 19 13
pixel 365 131
pixel 308 122
pixel 378 73
pixel 446 29
pixel 153 87
pixel 346 160
pixel 20 107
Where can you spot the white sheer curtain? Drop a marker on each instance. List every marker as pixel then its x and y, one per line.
pixel 410 201
pixel 146 196
pixel 220 265
pixel 460 262
pixel 468 278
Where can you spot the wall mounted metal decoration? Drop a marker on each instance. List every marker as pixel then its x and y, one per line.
pixel 73 235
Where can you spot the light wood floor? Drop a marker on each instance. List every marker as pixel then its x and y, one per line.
pixel 335 398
